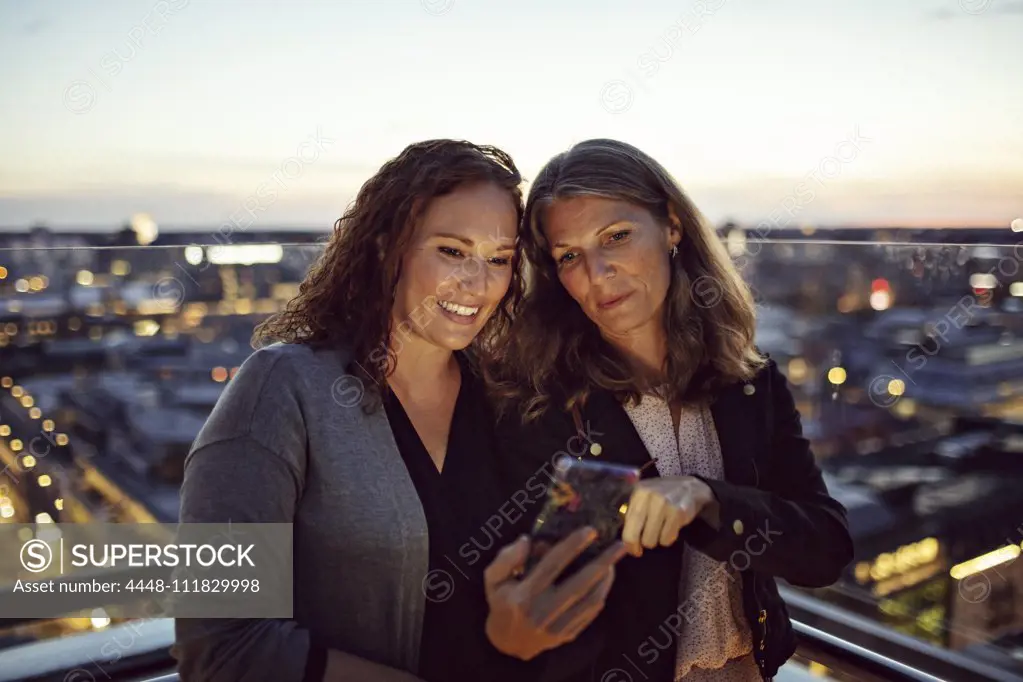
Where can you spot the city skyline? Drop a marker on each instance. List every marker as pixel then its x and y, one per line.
pixel 905 115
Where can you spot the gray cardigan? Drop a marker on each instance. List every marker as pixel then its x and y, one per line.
pixel 286 444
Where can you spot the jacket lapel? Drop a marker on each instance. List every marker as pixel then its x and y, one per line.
pixel 736 427
pixel 611 427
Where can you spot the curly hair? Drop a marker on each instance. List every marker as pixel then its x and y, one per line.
pixel 554 354
pixel 347 296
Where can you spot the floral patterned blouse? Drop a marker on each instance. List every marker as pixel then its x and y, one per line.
pixel 716 643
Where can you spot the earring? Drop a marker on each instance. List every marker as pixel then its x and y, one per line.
pixel 674 250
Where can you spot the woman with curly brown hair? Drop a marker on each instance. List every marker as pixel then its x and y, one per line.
pixel 638 323
pixel 361 421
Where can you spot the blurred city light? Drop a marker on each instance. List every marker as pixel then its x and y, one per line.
pixel 985 561
pixel 245 254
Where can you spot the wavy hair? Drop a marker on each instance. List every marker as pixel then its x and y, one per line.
pixel 554 354
pixel 347 296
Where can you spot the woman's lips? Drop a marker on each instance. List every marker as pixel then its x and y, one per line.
pixel 612 302
pixel 465 320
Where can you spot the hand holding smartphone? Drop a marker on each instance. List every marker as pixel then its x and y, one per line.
pixel 583 493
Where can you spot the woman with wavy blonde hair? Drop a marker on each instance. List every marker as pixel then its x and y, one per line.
pixel 637 323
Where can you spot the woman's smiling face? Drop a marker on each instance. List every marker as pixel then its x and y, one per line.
pixel 458 267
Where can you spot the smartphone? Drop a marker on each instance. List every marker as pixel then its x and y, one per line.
pixel 583 492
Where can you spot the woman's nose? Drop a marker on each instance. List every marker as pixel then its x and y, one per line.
pixel 473 276
pixel 599 270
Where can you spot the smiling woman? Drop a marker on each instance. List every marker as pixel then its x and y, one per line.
pixel 434 228
pixel 458 267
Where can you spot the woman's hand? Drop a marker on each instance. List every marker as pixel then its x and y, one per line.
pixel 661 507
pixel 530 615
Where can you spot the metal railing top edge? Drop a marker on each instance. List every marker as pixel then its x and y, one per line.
pixel 835 614
pixel 857 242
pixel 148 636
pixel 73 652
pixel 156 247
pixel 807 631
pixel 751 236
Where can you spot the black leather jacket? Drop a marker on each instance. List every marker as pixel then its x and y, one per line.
pixel 777 521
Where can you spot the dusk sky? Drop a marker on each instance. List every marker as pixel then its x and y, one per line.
pixel 183 108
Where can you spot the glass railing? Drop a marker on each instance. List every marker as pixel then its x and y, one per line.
pixel 906 361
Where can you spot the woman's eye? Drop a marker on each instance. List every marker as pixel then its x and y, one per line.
pixel 450 251
pixel 619 236
pixel 500 261
pixel 566 258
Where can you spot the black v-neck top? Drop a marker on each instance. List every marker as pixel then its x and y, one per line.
pixel 459 501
